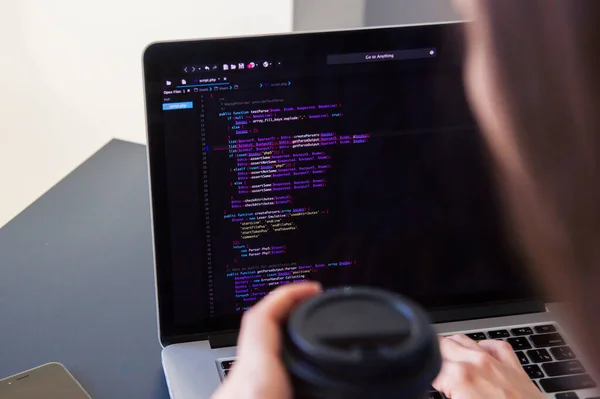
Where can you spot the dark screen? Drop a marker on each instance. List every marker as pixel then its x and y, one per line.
pixel 350 164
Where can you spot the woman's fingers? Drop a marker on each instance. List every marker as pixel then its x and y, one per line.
pixel 259 371
pixel 457 379
pixel 455 351
pixel 466 368
pixel 485 369
pixel 260 332
pixel 465 341
pixel 501 351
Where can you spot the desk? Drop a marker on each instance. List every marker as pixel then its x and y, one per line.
pixel 77 279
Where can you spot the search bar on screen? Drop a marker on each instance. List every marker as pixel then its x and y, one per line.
pixel 380 56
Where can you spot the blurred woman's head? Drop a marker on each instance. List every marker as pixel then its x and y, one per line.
pixel 533 77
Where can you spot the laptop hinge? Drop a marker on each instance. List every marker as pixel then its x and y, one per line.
pixel 223 340
pixel 499 309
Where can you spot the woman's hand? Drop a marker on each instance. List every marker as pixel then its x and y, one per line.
pixel 488 369
pixel 258 371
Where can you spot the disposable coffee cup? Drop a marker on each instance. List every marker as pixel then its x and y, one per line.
pixel 360 343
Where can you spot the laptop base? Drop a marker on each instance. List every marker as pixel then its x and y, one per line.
pixel 193 370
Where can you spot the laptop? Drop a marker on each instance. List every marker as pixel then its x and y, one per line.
pixel 347 157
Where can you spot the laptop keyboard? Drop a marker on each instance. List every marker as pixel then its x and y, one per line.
pixel 542 351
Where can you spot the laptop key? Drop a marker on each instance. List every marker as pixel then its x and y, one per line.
pixel 548 328
pixel 562 353
pixel 522 331
pixel 571 383
pixel 519 343
pixel 533 371
pixel 479 336
pixel 435 395
pixel 522 358
pixel 498 334
pixel 567 367
pixel 227 364
pixel 539 356
pixel 567 395
pixel 547 340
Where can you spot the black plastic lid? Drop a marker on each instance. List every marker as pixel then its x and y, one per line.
pixel 362 336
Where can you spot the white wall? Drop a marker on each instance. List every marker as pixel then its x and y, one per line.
pixel 328 14
pixel 70 76
pixel 400 12
pixel 344 14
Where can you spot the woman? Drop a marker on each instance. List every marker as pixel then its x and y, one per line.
pixel 533 77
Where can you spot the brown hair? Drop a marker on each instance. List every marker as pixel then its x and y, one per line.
pixel 546 75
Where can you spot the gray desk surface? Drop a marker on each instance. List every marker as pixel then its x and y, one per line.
pixel 77 279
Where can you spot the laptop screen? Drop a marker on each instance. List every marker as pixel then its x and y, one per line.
pixel 350 158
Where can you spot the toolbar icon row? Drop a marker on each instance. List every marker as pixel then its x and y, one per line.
pixel 228 67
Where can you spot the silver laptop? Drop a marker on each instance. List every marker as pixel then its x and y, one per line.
pixel 347 157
